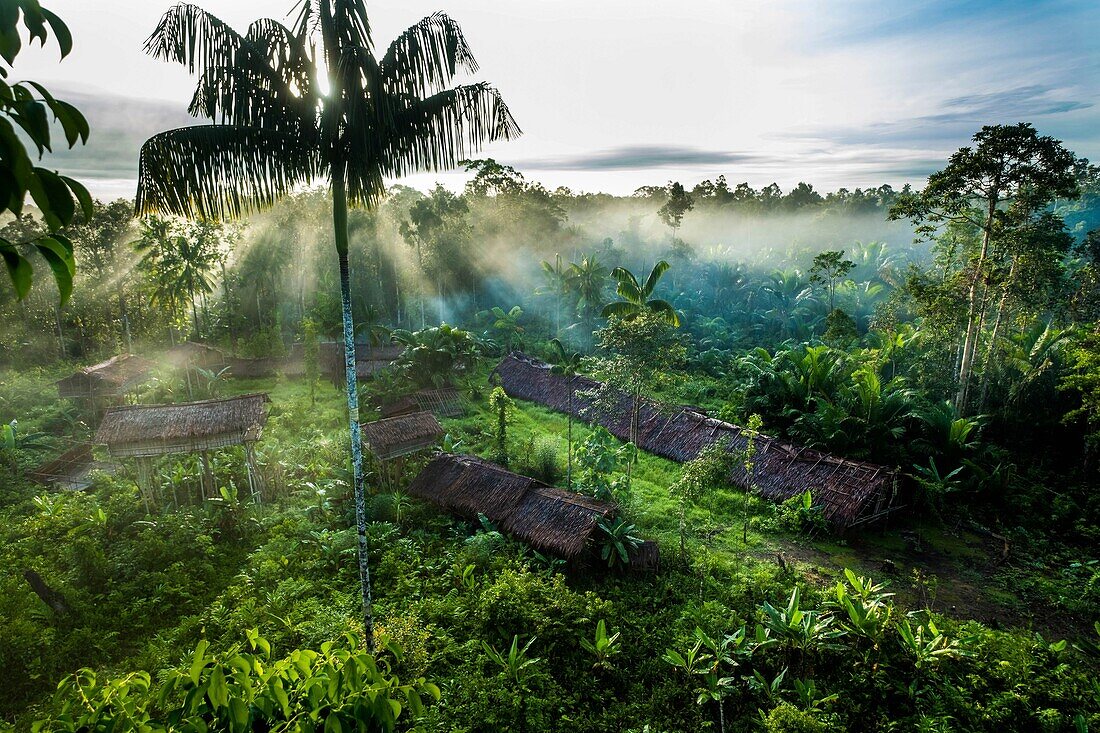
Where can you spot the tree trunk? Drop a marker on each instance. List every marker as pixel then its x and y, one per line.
pixel 52 598
pixel 340 225
pixel 569 441
pixel 125 320
pixel 60 334
pixel 225 305
pixel 993 336
pixel 969 342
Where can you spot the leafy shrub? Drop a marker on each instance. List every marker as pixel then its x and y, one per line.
pixel 341 685
pixel 786 718
pixel 541 460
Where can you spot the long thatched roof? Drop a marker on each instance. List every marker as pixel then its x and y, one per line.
pixel 549 519
pixel 109 378
pixel 847 491
pixel 399 436
pixel 148 430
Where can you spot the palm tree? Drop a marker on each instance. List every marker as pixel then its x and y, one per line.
pixel 180 267
pixel 567 364
pixel 557 284
pixel 284 114
pixel 637 298
pixel 588 281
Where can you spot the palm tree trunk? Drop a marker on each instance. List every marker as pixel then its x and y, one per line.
pixel 340 225
pixel 569 441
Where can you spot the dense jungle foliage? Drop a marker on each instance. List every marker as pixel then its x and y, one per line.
pixel 949 334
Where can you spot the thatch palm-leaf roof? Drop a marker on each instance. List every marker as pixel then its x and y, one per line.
pixel 147 430
pixel 398 436
pixel 549 519
pixel 110 378
pixel 847 491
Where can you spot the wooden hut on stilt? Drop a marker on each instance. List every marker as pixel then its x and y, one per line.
pixel 105 383
pixel 392 440
pixel 146 431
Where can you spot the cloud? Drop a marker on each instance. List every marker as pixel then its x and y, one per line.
pixel 955 120
pixel 639 157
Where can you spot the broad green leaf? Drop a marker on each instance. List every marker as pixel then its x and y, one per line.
pixel 199 660
pixel 218 690
pixel 60 32
pixel 61 262
pixel 19 269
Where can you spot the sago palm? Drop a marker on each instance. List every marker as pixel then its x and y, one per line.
pixel 291 105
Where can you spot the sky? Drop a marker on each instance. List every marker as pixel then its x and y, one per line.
pixel 615 94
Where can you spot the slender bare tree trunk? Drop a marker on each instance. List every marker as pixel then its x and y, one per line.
pixel 993 337
pixel 970 341
pixel 340 225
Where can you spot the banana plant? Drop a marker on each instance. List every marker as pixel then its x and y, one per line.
pixel 799 629
pixel 865 608
pixel 618 542
pixel 603 646
pixel 810 698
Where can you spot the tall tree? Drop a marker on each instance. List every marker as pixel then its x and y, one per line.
pixel 567 364
pixel 1009 176
pixel 679 203
pixel 829 267
pixel 437 223
pixel 284 114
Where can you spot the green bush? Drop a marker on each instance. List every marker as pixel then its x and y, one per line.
pixel 786 718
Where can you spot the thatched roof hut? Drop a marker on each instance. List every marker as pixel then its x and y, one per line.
pixel 848 492
pixel 399 436
pixel 192 354
pixel 549 519
pixel 444 402
pixel 71 471
pixel 189 427
pixel 369 359
pixel 112 378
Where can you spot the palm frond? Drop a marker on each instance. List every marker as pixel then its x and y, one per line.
pixel 245 96
pixel 628 286
pixel 437 132
pixel 655 276
pixel 621 309
pixel 188 35
pixel 426 57
pixel 665 309
pixel 219 171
